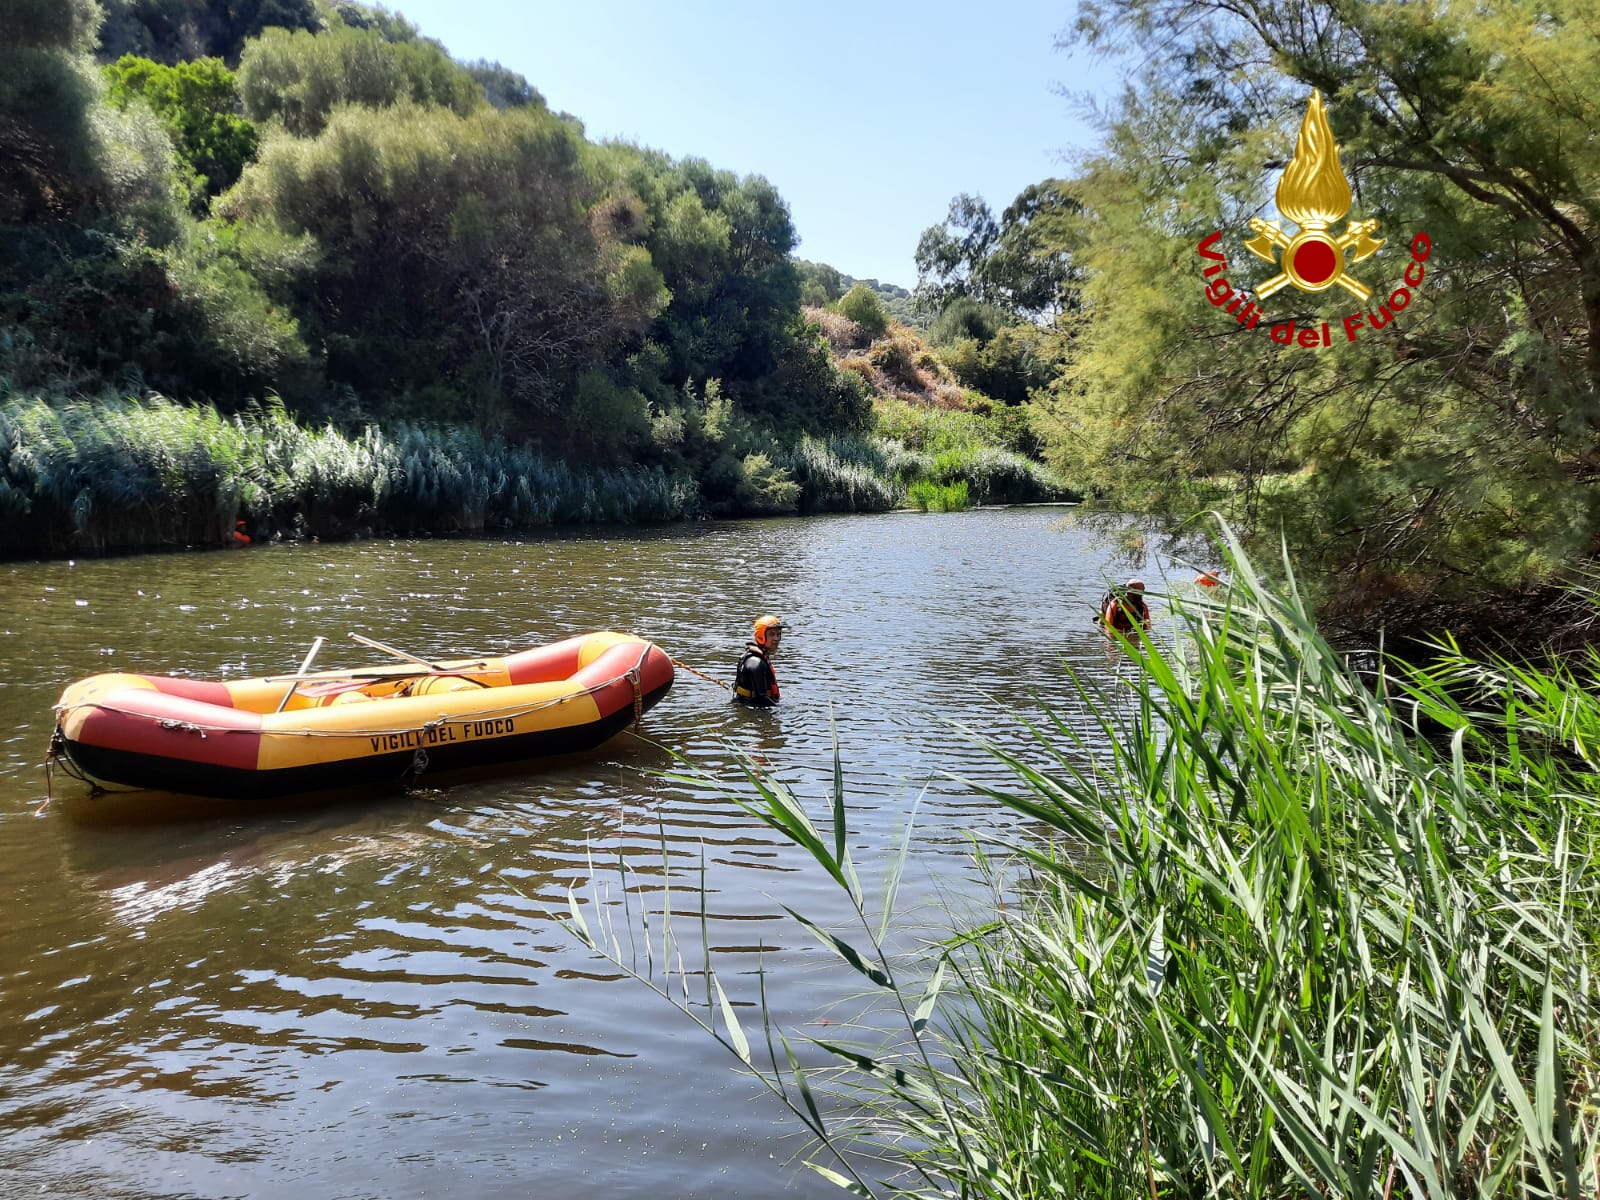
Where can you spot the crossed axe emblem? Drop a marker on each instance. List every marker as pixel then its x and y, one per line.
pixel 1313 261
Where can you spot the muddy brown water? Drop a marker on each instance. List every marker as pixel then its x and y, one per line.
pixel 381 996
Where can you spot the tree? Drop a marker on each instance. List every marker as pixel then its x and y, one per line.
pixel 1459 447
pixel 455 254
pixel 91 219
pixel 1032 265
pixel 503 87
pixel 48 155
pixel 952 258
pixel 820 284
pixel 171 31
pixel 392 27
pixel 1020 263
pixel 300 78
pixel 722 245
pixel 198 104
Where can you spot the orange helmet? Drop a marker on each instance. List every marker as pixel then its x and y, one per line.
pixel 765 625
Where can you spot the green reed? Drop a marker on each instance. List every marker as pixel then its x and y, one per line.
pixel 79 476
pixel 990 474
pixel 935 497
pixel 841 474
pixel 1276 931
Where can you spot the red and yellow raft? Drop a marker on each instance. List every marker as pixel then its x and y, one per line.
pixel 257 738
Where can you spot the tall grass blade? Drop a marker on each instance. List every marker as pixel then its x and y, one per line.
pixel 843 949
pixel 741 1044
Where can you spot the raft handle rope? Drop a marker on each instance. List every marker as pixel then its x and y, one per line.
pixel 56 759
pixel 185 727
pixel 419 764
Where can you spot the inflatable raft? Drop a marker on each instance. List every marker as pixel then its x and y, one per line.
pixel 279 736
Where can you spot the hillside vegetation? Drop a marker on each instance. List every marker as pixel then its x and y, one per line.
pixel 302 213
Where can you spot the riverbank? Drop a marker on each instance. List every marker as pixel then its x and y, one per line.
pixel 1257 938
pixel 80 477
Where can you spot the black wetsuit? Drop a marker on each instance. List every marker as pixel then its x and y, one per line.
pixel 754 682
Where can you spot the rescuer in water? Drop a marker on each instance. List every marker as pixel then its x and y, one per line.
pixel 1122 607
pixel 755 683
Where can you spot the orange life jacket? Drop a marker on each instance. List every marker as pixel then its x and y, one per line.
pixel 1119 611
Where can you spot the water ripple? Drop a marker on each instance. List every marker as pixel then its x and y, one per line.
pixel 382 997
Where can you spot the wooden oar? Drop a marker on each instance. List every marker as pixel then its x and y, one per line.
pixel 304 667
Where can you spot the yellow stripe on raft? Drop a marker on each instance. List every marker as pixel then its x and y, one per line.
pixel 90 690
pixel 341 732
pixel 597 644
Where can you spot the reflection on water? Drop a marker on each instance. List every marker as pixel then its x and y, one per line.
pixel 379 997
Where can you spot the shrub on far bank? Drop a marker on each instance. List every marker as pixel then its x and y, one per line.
pixel 765 488
pixel 999 477
pixel 942 446
pixel 934 497
pixel 933 429
pixel 861 305
pixel 843 474
pixel 122 475
pixel 82 477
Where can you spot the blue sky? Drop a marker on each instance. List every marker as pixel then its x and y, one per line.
pixel 868 117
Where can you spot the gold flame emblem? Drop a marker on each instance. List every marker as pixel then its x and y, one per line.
pixel 1313 193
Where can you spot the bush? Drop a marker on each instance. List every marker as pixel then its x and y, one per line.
pixel 838 330
pixel 842 475
pixel 608 420
pixel 861 305
pixel 765 488
pixel 964 357
pixel 965 319
pixel 897 359
pixel 934 497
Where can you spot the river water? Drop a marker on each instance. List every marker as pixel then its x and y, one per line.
pixel 382 997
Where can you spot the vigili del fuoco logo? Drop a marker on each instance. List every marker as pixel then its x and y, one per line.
pixel 1315 195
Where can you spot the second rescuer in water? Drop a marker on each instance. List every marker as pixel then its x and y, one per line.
pixel 1123 607
pixel 755 683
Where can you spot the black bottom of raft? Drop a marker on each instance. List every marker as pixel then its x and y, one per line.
pixel 159 773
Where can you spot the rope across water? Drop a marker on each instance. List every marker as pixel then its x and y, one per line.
pixel 702 674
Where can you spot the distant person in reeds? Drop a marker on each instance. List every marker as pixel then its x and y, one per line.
pixel 755 682
pixel 1123 607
